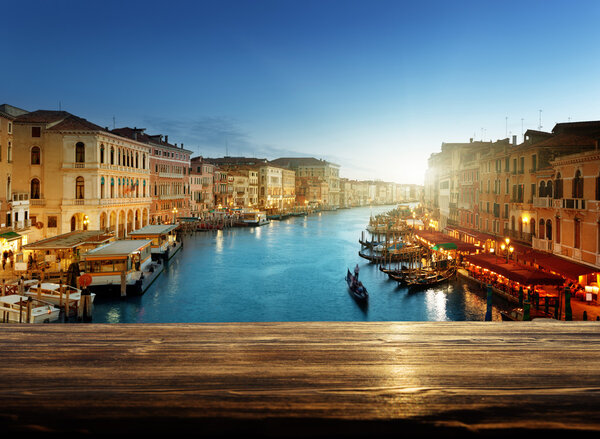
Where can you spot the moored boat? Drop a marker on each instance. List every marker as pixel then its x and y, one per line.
pixel 122 265
pixel 253 218
pixel 17 308
pixel 51 292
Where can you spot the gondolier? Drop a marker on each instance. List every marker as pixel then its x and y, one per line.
pixel 356 271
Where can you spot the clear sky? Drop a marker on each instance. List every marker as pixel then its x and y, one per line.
pixel 374 86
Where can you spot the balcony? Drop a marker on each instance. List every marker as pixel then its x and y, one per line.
pixel 542 244
pixel 542 202
pixel 37 202
pixel 518 236
pixel 21 225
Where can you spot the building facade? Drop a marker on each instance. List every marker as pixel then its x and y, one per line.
pixel 79 175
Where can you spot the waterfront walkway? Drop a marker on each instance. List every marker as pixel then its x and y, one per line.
pixel 359 379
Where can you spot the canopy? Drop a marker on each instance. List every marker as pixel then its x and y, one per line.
pixel 10 236
pixel 514 272
pixel 445 246
pixel 437 238
pixel 556 264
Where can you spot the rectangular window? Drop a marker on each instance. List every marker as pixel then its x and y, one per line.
pixel 52 220
pixel 36 132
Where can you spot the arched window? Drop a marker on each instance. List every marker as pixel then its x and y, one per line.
pixel 35 189
pixel 549 188
pixel 578 185
pixel 112 188
pixel 512 223
pixel 137 157
pixel 577 231
pixel 79 188
pixel 532 227
pixel 549 230
pixel 102 187
pixel 112 155
pixel 558 187
pixel 542 229
pixel 79 152
pixel 143 161
pixel 35 155
pixel 73 223
pixel 101 153
pixel 557 240
pixel 542 191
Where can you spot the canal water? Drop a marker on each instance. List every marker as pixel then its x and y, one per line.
pixel 289 270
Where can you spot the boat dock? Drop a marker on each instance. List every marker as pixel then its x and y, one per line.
pixel 303 379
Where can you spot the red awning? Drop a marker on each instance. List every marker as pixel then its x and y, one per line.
pixel 550 262
pixel 514 272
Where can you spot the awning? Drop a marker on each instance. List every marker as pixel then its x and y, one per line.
pixel 436 238
pixel 556 264
pixel 515 272
pixel 445 246
pixel 10 236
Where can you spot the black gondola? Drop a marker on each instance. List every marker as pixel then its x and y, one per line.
pixel 433 279
pixel 358 290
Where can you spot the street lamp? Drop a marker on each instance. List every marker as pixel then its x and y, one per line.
pixel 86 221
pixel 174 213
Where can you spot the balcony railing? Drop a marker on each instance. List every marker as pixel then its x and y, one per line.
pixel 20 225
pixel 518 236
pixel 542 244
pixel 542 202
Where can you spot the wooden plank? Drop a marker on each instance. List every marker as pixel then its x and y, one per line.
pixel 296 379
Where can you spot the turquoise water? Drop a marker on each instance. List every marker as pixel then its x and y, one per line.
pixel 290 270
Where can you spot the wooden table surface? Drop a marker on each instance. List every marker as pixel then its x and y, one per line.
pixel 302 379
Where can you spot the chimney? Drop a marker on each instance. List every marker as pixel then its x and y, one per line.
pixel 471 140
pixel 167 139
pixel 134 133
pixel 514 140
pixel 181 145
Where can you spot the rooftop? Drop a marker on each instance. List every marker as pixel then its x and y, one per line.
pixel 154 229
pixel 119 248
pixel 70 240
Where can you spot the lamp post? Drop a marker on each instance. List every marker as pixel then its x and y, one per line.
pixel 174 213
pixel 86 222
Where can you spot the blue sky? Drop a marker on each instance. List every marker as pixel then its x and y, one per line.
pixel 375 86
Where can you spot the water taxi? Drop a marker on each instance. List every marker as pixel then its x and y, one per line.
pixel 124 266
pixel 253 217
pixel 16 308
pixel 164 240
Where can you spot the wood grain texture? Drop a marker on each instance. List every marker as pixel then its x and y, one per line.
pixel 302 379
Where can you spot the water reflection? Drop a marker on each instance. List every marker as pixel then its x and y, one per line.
pixel 436 305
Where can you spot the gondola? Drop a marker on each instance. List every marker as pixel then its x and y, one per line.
pixel 358 290
pixel 433 279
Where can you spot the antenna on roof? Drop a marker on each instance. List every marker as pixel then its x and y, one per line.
pixel 59 106
pixel 540 125
pixel 113 122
